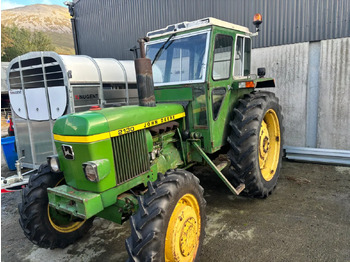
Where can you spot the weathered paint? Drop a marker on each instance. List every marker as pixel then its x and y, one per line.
pixel 334 106
pixel 88 204
pixel 288 64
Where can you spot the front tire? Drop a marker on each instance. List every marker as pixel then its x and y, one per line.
pixel 170 222
pixel 256 143
pixel 44 225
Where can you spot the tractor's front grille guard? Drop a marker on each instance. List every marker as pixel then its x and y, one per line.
pixel 130 156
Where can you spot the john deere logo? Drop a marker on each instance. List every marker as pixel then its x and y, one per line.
pixel 68 152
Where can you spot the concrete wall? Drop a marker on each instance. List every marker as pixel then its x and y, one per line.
pixel 313 85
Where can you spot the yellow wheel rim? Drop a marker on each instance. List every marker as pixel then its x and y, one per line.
pixel 184 229
pixel 63 223
pixel 269 145
pixel 65 227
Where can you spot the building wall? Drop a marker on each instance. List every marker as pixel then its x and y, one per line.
pixel 315 101
pixel 109 28
pixel 304 45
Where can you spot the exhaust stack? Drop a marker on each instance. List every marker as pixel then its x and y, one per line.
pixel 144 77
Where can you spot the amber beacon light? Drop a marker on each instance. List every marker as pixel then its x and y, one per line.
pixel 257 20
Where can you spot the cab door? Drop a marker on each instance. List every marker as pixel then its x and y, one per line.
pixel 230 63
pixel 220 82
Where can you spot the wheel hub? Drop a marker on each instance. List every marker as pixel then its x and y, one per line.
pixel 269 145
pixel 264 143
pixel 182 238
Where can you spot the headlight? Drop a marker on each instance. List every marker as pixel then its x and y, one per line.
pixel 54 163
pixel 96 170
pixel 90 170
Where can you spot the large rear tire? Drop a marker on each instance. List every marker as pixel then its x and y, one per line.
pixel 169 224
pixel 256 143
pixel 44 225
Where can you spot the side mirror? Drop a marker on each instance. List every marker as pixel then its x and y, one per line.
pixel 261 72
pixel 257 20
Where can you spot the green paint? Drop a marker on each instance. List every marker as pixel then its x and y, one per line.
pixel 103 168
pixel 77 203
pixel 173 94
pixel 125 206
pixel 170 156
pixel 84 152
pixel 87 204
pixel 81 124
pixel 217 170
pixel 109 119
pixel 149 141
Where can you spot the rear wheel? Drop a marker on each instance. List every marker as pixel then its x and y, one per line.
pixel 169 224
pixel 42 224
pixel 256 143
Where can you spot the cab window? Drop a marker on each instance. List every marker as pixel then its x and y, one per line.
pixel 242 56
pixel 222 57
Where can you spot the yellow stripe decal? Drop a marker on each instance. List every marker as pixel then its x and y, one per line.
pixel 118 132
pixel 144 125
pixel 82 139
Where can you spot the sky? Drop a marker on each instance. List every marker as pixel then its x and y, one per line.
pixel 8 4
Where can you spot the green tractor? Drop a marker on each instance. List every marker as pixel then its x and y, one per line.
pixel 130 162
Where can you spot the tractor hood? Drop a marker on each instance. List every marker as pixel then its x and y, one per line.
pixel 117 120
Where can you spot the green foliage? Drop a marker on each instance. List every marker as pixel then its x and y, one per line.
pixel 18 41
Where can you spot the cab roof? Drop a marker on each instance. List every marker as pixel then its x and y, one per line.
pixel 183 26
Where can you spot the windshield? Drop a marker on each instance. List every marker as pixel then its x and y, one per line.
pixel 181 60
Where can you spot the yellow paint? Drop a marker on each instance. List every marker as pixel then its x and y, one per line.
pixel 145 125
pixel 269 145
pixel 118 132
pixel 82 139
pixel 68 228
pixel 184 229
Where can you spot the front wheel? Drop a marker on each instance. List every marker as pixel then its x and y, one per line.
pixel 256 143
pixel 169 224
pixel 42 224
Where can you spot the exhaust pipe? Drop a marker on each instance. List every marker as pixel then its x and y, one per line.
pixel 144 77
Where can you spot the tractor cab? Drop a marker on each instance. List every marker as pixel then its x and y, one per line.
pixel 202 65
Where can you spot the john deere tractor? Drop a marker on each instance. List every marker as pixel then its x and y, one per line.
pixel 197 97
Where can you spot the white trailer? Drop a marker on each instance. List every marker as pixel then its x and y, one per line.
pixel 44 86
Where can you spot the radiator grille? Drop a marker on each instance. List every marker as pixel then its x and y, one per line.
pixel 130 155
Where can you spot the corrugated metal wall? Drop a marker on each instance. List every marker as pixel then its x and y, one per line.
pixel 108 28
pixel 290 65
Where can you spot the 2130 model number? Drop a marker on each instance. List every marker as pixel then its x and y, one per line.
pixel 126 130
pixel 148 124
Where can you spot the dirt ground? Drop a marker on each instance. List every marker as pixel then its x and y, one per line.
pixel 307 218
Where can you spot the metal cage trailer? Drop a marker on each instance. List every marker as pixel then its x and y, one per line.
pixel 44 86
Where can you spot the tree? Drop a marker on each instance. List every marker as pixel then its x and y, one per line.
pixel 18 41
pixel 6 40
